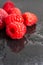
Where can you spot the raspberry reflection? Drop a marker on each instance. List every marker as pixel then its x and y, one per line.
pixel 17 45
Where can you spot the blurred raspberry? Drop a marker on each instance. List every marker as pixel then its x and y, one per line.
pixel 16 30
pixel 15 11
pixel 3 15
pixel 30 18
pixel 8 5
pixel 12 18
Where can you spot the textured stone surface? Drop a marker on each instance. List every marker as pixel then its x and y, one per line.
pixel 29 50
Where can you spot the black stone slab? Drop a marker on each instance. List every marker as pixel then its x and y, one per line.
pixel 29 50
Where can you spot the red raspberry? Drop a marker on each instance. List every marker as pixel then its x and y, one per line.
pixel 30 18
pixel 8 5
pixel 16 30
pixel 15 11
pixel 12 18
pixel 3 15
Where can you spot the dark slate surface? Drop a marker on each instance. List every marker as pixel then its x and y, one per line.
pixel 29 50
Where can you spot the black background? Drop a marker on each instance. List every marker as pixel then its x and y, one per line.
pixel 29 50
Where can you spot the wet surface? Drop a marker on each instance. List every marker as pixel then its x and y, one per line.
pixel 29 50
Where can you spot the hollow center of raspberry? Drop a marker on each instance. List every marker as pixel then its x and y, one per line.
pixel 12 30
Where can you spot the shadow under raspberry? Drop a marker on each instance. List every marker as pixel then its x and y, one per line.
pixel 31 29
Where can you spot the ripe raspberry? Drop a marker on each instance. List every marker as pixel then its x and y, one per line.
pixel 3 15
pixel 30 18
pixel 16 30
pixel 15 11
pixel 12 18
pixel 8 5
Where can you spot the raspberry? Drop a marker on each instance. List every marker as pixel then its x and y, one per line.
pixel 16 30
pixel 8 5
pixel 15 11
pixel 3 15
pixel 12 18
pixel 30 18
